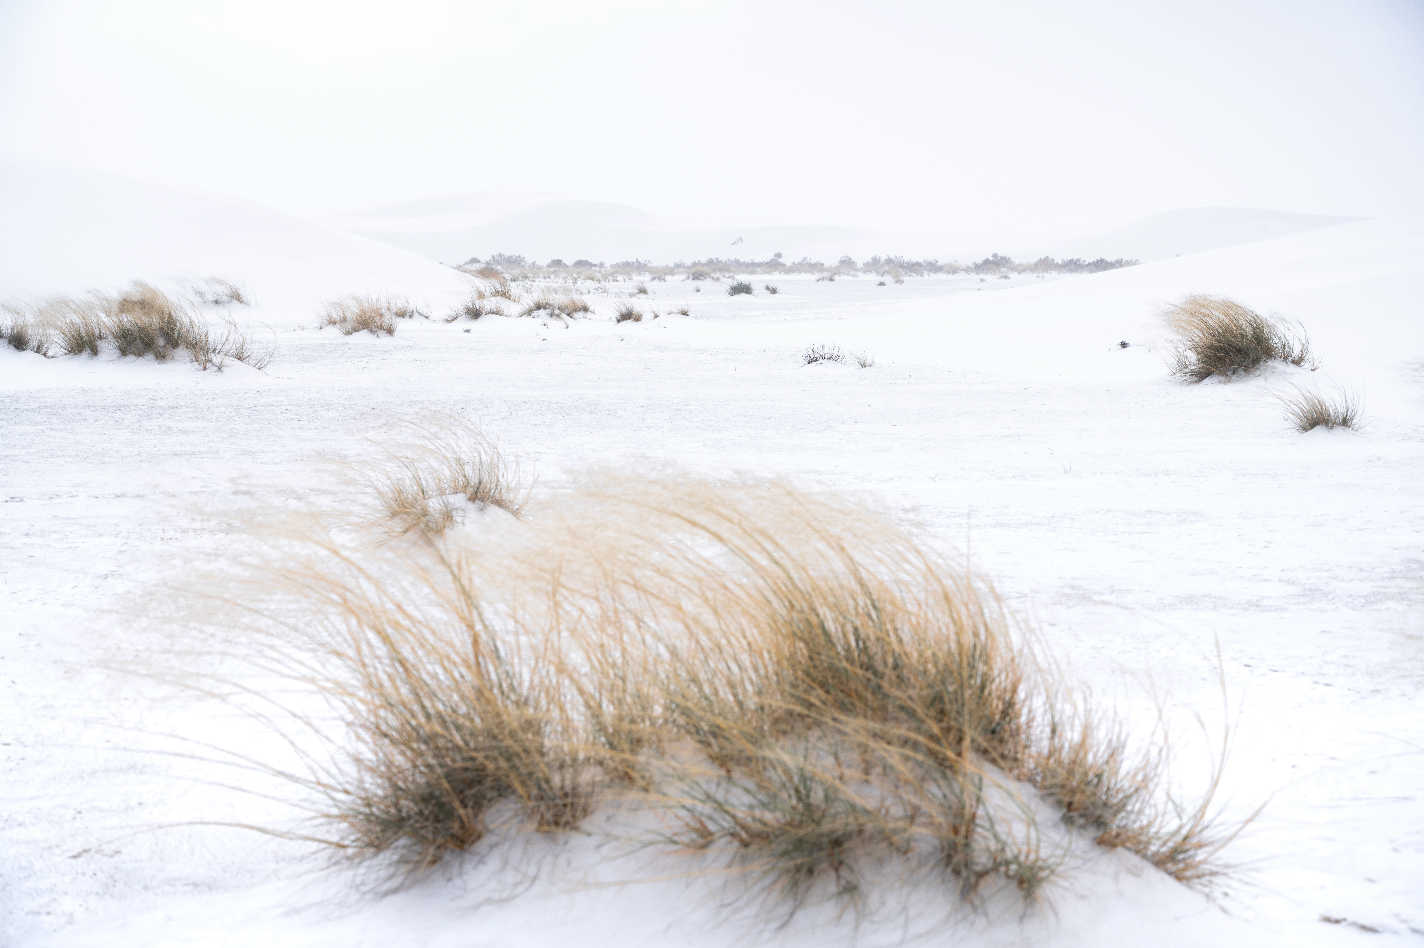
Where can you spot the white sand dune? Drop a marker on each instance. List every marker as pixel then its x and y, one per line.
pixel 1136 521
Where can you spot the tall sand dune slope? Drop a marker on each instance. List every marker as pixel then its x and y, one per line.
pixel 1188 230
pixel 67 231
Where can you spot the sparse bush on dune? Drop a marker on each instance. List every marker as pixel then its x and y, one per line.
pixel 371 313
pixel 1307 411
pixel 627 313
pixel 739 288
pixel 139 321
pixel 793 683
pixel 1217 336
pixel 772 288
pixel 641 289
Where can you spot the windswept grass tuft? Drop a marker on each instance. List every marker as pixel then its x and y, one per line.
pixel 822 353
pixel 1307 411
pixel 792 684
pixel 477 304
pixel 555 305
pixel 139 321
pixel 368 313
pixel 627 313
pixel 425 486
pixel 215 291
pixel 1216 336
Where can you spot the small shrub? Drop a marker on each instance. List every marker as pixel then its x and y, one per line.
pixel 698 274
pixel 772 288
pixel 627 312
pixel 738 288
pixel 1216 336
pixel 368 313
pixel 641 289
pixel 682 311
pixel 881 283
pixel 822 353
pixel 865 360
pixel 1307 411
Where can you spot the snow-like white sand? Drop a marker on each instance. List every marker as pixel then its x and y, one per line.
pixel 1138 522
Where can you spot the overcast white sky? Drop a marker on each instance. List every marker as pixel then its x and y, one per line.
pixel 996 117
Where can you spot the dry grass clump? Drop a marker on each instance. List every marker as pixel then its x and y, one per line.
pixel 21 331
pixel 1216 336
pixel 789 683
pixel 1307 411
pixel 823 353
pixel 739 288
pixel 626 313
pixel 555 305
pixel 215 291
pixel 640 290
pixel 425 486
pixel 477 304
pixel 681 311
pixel 368 313
pixel 139 321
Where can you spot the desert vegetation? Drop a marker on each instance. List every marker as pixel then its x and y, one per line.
pixel 627 313
pixel 215 291
pixel 1308 410
pixel 139 321
pixel 514 267
pixel 1216 336
pixel 562 306
pixel 371 313
pixel 424 485
pixel 793 686
pixel 821 352
pixel 739 288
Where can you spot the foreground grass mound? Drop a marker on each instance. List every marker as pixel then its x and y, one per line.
pixel 794 685
pixel 1216 336
pixel 139 321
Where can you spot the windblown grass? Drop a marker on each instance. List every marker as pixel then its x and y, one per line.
pixel 216 291
pixel 139 321
pixel 425 485
pixel 627 313
pixel 1216 336
pixel 1307 411
pixel 371 313
pixel 822 353
pixel 795 685
pixel 477 304
pixel 555 305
